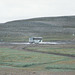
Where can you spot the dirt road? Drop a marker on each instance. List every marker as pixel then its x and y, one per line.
pixel 14 71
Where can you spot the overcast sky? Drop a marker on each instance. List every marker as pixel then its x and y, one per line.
pixel 25 9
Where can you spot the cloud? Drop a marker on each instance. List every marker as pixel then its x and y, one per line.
pixel 22 9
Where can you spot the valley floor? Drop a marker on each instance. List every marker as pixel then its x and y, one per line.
pixel 35 59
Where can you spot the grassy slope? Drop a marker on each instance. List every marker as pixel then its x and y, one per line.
pixel 35 61
pixel 50 28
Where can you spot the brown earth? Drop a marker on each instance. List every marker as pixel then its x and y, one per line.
pixel 14 71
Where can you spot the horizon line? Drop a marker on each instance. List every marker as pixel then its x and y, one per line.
pixel 36 18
